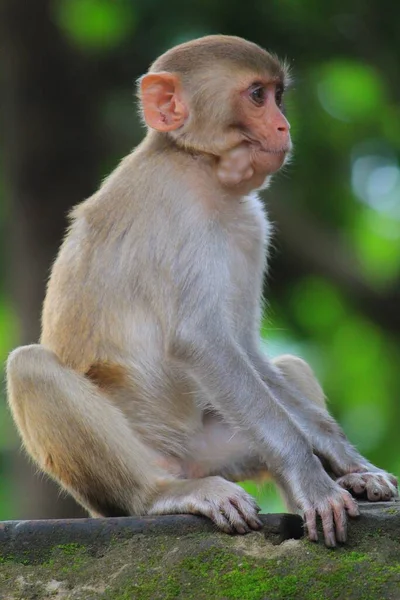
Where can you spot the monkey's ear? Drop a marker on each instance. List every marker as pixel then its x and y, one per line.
pixel 162 103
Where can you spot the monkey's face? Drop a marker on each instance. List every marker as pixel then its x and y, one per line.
pixel 257 121
pixel 229 108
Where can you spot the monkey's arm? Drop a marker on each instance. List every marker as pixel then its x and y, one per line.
pixel 294 384
pixel 237 392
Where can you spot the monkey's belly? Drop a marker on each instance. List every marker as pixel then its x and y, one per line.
pixel 216 449
pixel 212 448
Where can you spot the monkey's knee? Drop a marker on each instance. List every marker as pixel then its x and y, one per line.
pixel 30 373
pixel 24 360
pixel 25 366
pixel 301 376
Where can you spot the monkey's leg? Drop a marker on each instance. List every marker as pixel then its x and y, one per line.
pixel 82 440
pixel 77 436
pixel 354 472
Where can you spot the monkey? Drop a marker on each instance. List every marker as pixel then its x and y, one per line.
pixel 148 392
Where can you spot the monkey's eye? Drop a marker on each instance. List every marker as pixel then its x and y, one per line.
pixel 257 94
pixel 279 96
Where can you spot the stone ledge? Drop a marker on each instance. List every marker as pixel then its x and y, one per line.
pixel 184 557
pixel 32 540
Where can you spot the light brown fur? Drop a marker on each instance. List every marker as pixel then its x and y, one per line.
pixel 148 392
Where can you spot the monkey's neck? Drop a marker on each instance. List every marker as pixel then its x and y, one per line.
pixel 202 162
pixel 160 142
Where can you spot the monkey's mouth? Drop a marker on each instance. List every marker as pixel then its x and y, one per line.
pixel 263 146
pixel 282 150
pixel 269 160
pixel 263 151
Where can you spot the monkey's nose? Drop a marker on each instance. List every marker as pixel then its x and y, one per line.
pixel 282 124
pixel 284 127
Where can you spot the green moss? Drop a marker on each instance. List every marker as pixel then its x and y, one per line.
pixel 70 549
pixel 351 557
pixel 391 511
pixel 38 555
pixel 212 567
pixel 217 573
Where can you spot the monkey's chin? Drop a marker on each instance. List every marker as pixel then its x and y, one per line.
pixel 268 162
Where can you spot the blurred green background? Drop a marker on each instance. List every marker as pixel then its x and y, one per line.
pixel 67 73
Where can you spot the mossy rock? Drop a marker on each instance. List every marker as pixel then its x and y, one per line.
pixel 185 558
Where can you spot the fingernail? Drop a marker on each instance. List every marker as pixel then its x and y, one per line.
pixel 331 541
pixel 341 537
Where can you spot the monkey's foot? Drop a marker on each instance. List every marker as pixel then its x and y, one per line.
pixel 231 508
pixel 375 485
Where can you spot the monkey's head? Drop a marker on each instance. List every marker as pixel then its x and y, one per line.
pixel 216 93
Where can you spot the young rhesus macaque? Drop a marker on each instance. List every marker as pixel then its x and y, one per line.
pixel 149 393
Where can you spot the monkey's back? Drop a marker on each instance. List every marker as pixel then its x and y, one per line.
pixel 114 243
pixel 72 311
pixel 82 319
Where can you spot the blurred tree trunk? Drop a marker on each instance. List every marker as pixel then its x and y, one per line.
pixel 50 160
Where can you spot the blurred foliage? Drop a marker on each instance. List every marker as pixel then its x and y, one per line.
pixel 345 116
pixel 95 24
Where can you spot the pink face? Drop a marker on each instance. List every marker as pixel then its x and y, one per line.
pixel 263 124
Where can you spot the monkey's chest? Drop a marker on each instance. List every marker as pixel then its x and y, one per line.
pixel 248 242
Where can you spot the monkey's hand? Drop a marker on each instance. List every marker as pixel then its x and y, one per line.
pixel 235 166
pixel 231 508
pixel 319 496
pixel 376 485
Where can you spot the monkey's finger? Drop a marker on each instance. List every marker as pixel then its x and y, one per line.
pixel 250 504
pixel 310 518
pixel 250 500
pixel 351 505
pixel 328 527
pixel 235 518
pixel 213 512
pixel 255 523
pixel 374 490
pixel 394 489
pixel 358 487
pixel 386 495
pixel 357 483
pixel 248 509
pixel 244 498
pixel 353 482
pixel 373 493
pixel 339 515
pixel 388 488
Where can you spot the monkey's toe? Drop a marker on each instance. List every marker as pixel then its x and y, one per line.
pixel 375 486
